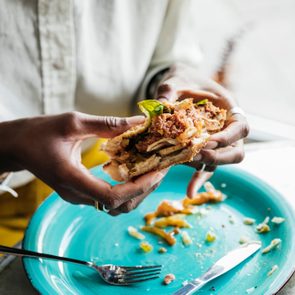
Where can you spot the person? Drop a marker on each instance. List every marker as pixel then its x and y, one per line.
pixel 98 57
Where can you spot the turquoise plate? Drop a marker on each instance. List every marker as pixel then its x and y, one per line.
pixel 81 232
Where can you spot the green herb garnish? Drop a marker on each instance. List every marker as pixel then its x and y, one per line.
pixel 201 102
pixel 151 108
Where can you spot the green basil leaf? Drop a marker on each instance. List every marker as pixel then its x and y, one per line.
pixel 201 102
pixel 151 108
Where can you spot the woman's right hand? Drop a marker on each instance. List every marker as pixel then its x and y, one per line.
pixel 50 148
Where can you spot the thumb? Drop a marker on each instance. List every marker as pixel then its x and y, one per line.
pixel 166 91
pixel 108 126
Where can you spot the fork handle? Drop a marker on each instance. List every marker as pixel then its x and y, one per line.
pixel 28 253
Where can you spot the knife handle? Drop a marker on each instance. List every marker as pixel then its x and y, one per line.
pixel 190 288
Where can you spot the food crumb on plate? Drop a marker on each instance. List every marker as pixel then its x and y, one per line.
pixel 162 250
pixel 243 240
pixel 146 247
pixel 186 239
pixel 231 219
pixel 263 227
pixel 210 237
pixel 248 221
pixel 251 290
pixel 198 255
pixel 273 269
pixel 169 278
pixel 133 232
pixel 273 244
pixel 199 245
pixel 277 220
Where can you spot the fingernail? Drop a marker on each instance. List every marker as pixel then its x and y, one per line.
pixel 211 145
pixel 198 157
pixel 159 176
pixel 162 98
pixel 135 120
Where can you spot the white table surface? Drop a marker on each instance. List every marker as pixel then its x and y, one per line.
pixel 272 162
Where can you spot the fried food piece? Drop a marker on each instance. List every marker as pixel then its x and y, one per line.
pixel 168 237
pixel 204 197
pixel 168 208
pixel 174 220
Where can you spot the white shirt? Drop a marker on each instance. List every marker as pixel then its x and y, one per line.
pixel 91 55
pixel 95 56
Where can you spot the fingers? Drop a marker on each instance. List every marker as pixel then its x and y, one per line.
pixel 196 182
pixel 74 197
pixel 173 90
pixel 237 128
pixel 88 187
pixel 177 88
pixel 110 126
pixel 83 125
pixel 228 155
pixel 198 95
pixel 211 158
pixel 139 186
pixel 166 91
pixel 133 203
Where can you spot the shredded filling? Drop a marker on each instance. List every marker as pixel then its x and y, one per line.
pixel 169 133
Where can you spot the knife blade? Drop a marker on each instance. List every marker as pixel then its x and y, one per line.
pixel 221 266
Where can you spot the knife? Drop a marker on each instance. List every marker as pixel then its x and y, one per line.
pixel 223 265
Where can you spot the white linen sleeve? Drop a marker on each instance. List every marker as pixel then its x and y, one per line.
pixel 177 41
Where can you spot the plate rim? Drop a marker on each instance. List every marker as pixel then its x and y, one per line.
pixel 228 169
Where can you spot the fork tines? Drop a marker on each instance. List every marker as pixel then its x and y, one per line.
pixel 136 274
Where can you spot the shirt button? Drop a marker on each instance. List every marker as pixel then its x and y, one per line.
pixel 57 65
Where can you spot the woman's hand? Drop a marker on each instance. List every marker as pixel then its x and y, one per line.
pixel 50 147
pixel 224 147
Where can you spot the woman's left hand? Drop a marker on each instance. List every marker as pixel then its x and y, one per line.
pixel 224 147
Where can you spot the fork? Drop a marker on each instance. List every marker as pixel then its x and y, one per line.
pixel 110 273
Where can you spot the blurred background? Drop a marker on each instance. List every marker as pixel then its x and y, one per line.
pixel 256 40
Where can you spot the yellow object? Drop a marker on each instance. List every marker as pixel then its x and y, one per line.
pixel 146 247
pixel 174 220
pixel 16 213
pixel 210 237
pixel 168 237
